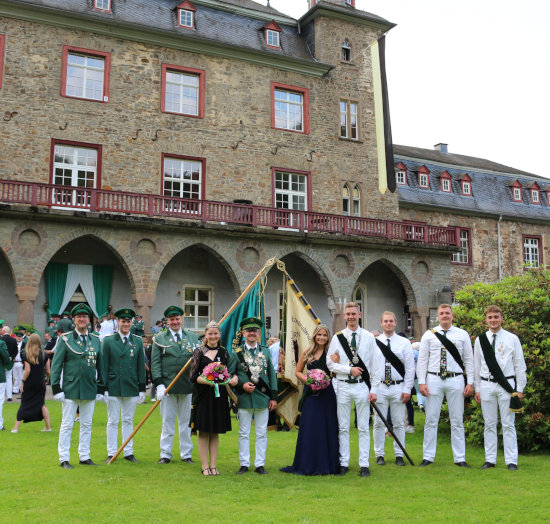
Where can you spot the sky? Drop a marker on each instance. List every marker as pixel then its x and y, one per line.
pixel 472 74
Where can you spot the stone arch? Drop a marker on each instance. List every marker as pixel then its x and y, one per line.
pixel 4 254
pixel 403 279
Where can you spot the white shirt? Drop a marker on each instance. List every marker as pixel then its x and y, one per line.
pixel 429 354
pixel 403 351
pixel 274 350
pixel 509 355
pixel 366 349
pixel 106 329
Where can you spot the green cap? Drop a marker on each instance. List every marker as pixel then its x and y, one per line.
pixel 81 309
pixel 125 313
pixel 1 322
pixel 170 311
pixel 19 334
pixel 251 322
pixel 50 332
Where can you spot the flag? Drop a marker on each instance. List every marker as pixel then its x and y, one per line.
pixel 251 305
pixel 384 146
pixel 299 327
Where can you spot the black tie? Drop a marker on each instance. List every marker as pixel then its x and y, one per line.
pixel 83 339
pixel 493 343
pixel 125 340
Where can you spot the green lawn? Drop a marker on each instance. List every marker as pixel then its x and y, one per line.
pixel 36 489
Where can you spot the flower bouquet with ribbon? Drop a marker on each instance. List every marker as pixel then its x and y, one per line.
pixel 216 374
pixel 317 379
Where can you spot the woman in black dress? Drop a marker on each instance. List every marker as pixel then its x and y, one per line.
pixel 210 414
pixel 33 385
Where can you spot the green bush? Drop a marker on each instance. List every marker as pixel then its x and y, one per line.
pixel 525 303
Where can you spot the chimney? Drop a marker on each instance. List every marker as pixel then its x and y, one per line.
pixel 441 147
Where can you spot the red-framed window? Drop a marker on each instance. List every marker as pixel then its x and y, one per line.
pixel 424 177
pixel 446 182
pixel 102 5
pixel 401 174
pixel 2 48
pixel 350 3
pixel 85 74
pixel 186 15
pixel 182 90
pixel 289 108
pixel 272 32
pixel 516 192
pixel 535 194
pixel 466 185
pixel 532 250
pixel 183 176
pixel 76 165
pixel 291 189
pixel 464 256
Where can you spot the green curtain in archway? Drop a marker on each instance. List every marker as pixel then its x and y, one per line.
pixel 56 278
pixel 103 282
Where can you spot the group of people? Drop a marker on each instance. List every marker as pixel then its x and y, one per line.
pixel 365 369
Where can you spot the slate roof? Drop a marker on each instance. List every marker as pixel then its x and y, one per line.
pixel 218 25
pixel 491 185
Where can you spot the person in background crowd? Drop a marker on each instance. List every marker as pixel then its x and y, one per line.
pixel 18 362
pixel 11 345
pixel 156 328
pixel 6 364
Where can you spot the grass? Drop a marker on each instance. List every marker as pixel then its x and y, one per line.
pixel 36 489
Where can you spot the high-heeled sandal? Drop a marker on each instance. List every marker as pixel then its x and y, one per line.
pixel 206 474
pixel 212 470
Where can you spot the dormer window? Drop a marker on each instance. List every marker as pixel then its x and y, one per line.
pixel 102 5
pixel 273 35
pixel 516 192
pixel 346 52
pixel 424 178
pixel 350 3
pixel 535 194
pixel 466 185
pixel 186 15
pixel 446 185
pixel 401 173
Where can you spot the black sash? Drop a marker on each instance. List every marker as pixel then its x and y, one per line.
pixel 392 357
pixel 345 346
pixel 451 348
pixel 496 371
pixel 261 386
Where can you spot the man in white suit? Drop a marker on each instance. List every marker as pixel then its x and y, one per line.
pixel 354 364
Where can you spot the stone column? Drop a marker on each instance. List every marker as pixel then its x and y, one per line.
pixel 26 296
pixel 143 304
pixel 420 315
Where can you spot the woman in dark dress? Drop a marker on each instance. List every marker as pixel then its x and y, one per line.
pixel 210 414
pixel 33 385
pixel 317 444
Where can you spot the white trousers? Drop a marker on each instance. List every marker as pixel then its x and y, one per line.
pixel 9 383
pixel 453 389
pixel 261 417
pixel 358 393
pixel 66 428
pixel 494 399
pixel 173 406
pixel 389 396
pixel 2 398
pixel 115 407
pixel 17 370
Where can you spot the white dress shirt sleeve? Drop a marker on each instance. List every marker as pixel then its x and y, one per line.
pixel 336 348
pixel 519 366
pixel 408 357
pixel 423 358
pixel 477 365
pixel 468 359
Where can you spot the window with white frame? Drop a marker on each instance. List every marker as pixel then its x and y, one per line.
pixel 401 177
pixel 85 76
pixel 356 201
pixel 75 167
pixel 272 38
pixel 531 251
pixel 463 256
pixel 186 18
pixel 345 200
pixel 535 196
pixel 182 178
pixel 346 52
pixel 198 307
pixel 466 187
pixel 348 119
pixel 423 180
pixel 517 194
pixel 182 93
pixel 446 185
pixel 291 191
pixel 289 110
pixel 102 5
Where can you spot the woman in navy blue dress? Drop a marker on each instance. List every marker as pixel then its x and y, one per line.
pixel 317 444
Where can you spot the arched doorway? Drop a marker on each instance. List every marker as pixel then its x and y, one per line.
pixel 8 300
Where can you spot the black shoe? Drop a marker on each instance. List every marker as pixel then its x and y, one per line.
pixel 164 460
pixel 131 458
pixel 364 472
pixel 260 470
pixel 462 464
pixel 425 463
pixel 108 459
pixel 10 400
pixel 187 460
pixel 380 461
pixel 66 465
pixel 243 469
pixel 513 467
pixel 399 461
pixel 487 465
pixel 88 462
pixel 341 471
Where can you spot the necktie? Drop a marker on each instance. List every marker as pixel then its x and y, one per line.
pixel 353 341
pixel 493 343
pixel 83 339
pixel 387 375
pixel 443 360
pixel 125 340
pixel 178 338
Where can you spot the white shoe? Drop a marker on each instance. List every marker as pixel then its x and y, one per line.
pixel 15 431
pixel 45 429
pixel 409 429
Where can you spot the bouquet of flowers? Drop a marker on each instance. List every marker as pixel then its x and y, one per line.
pixel 217 374
pixel 317 379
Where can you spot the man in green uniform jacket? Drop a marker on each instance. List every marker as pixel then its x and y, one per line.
pixel 123 381
pixel 77 356
pixel 5 365
pixel 171 350
pixel 256 390
pixel 138 327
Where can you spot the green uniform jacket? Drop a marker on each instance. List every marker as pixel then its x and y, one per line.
pixel 122 366
pixel 138 328
pixel 65 324
pixel 5 361
pixel 78 363
pixel 256 399
pixel 168 357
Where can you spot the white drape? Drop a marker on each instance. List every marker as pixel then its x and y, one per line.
pixel 82 275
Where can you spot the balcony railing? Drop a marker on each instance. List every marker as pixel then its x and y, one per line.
pixel 100 200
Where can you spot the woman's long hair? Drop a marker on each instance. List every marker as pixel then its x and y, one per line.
pixel 33 349
pixel 313 346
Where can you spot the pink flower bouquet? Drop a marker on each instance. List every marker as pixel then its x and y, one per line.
pixel 317 379
pixel 216 374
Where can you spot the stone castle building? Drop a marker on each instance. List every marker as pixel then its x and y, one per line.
pixel 158 152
